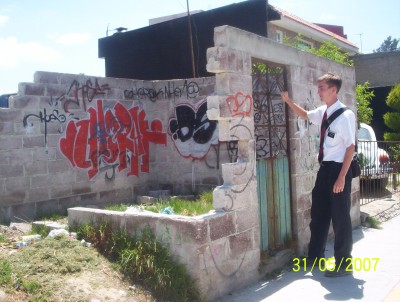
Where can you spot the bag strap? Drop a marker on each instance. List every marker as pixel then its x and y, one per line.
pixel 334 115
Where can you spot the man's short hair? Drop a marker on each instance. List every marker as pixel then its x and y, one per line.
pixel 332 80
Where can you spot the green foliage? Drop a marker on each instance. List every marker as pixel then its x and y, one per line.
pixel 330 51
pixel 144 259
pixel 31 286
pixel 393 98
pixel 262 68
pixel 364 96
pixel 203 204
pixel 388 45
pixel 373 222
pixel 2 238
pixel 392 119
pixel 394 152
pixel 121 207
pixel 41 230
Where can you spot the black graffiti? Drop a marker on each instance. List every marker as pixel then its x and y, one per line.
pixel 233 150
pixel 190 89
pixel 46 118
pixel 190 123
pixel 84 93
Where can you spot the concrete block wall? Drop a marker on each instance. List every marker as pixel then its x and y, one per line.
pixel 71 140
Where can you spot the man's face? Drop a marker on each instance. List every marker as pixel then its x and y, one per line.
pixel 326 92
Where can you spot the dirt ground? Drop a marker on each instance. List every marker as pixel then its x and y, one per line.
pixel 66 270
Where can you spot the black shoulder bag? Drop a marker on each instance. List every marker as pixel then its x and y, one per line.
pixel 355 164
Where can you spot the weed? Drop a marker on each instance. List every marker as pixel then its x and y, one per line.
pixel 31 287
pixel 2 238
pixel 203 204
pixel 52 217
pixel 5 273
pixel 143 258
pixel 373 222
pixel 42 230
pixel 117 207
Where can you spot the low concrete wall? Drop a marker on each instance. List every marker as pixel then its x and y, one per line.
pixel 219 252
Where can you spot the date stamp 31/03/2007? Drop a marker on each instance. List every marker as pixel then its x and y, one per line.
pixel 350 264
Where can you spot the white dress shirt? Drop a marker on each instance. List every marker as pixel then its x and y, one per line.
pixel 340 134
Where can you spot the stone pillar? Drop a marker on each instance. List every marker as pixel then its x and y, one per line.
pixel 232 107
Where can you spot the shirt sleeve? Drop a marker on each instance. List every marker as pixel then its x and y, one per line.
pixel 348 128
pixel 315 116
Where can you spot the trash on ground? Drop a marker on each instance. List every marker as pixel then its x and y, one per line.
pixel 167 210
pixel 58 233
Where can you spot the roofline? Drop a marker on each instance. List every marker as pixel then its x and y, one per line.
pixel 319 33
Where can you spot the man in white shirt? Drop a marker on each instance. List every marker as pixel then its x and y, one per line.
pixel 331 193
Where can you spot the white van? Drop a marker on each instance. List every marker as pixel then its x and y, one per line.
pixel 372 158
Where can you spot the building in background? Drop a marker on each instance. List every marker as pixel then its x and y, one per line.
pixel 164 49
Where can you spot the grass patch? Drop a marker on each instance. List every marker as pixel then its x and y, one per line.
pixel 202 205
pixel 35 269
pixel 117 207
pixel 143 259
pixel 2 238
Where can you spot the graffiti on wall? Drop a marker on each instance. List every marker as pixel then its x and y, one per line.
pixel 188 89
pixel 111 138
pixel 82 93
pixel 45 118
pixel 240 104
pixel 309 142
pixel 191 130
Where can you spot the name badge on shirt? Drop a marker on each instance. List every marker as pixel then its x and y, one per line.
pixel 331 134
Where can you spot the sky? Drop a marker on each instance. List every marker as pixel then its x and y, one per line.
pixel 62 36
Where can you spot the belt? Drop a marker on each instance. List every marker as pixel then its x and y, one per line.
pixel 329 163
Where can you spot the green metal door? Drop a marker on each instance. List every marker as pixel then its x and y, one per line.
pixel 270 122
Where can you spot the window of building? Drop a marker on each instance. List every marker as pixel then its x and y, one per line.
pixel 279 36
pixel 303 44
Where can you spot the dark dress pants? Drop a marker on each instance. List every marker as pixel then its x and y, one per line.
pixel 327 206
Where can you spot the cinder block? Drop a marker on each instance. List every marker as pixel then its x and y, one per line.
pixel 7 129
pixel 10 142
pixel 7 171
pixel 10 115
pixel 33 141
pixel 223 59
pixel 232 83
pixel 240 243
pixel 222 226
pixel 33 89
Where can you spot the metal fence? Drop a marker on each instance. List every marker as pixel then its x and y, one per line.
pixel 380 169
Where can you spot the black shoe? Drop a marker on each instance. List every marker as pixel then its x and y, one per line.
pixel 341 272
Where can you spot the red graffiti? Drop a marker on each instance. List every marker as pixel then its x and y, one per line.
pixel 240 105
pixel 111 137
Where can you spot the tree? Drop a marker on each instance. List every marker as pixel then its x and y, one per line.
pixel 332 52
pixel 364 96
pixel 328 50
pixel 388 45
pixel 392 119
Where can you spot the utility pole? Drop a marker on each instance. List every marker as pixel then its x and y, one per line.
pixel 360 41
pixel 191 39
